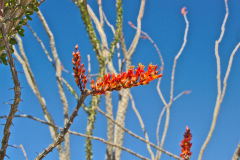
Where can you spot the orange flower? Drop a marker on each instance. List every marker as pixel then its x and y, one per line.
pixel 186 145
pixel 127 79
pixel 79 70
pixel 183 11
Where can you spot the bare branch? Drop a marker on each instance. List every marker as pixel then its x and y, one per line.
pixel 110 126
pixel 79 134
pixel 24 152
pixel 138 32
pixel 103 37
pixel 61 136
pixel 59 80
pixel 108 23
pixel 121 114
pixel 146 36
pixel 22 149
pixel 136 136
pixel 32 83
pixel 142 126
pixel 161 115
pixel 112 144
pixel 178 55
pixel 100 12
pixel 228 70
pixel 70 88
pixel 42 45
pixel 221 92
pixel 172 84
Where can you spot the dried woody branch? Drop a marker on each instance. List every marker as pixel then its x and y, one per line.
pixel 20 146
pixel 168 106
pixel 138 137
pixel 162 112
pixel 221 90
pixel 58 68
pixel 78 134
pixel 17 95
pixel 142 126
pixel 60 137
pixel 32 83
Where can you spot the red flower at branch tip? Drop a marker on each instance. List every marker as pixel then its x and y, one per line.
pixel 186 145
pixel 131 78
pixel 128 79
pixel 131 24
pixel 184 11
pixel 79 70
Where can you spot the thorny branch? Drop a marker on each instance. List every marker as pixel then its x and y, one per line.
pixel 79 134
pixel 17 96
pixel 32 83
pixel 60 137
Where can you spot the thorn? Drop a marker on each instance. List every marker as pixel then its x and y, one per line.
pixel 13 146
pixel 7 156
pixel 7 103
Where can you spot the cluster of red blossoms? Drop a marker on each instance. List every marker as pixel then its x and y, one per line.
pixel 186 145
pixel 131 78
pixel 79 70
pixel 127 79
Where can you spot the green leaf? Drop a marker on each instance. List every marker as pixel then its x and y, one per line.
pixel 12 41
pixel 21 32
pixel 35 9
pixel 0 35
pixel 29 12
pixel 3 59
pixel 28 17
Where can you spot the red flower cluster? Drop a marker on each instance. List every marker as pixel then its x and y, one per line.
pixel 127 79
pixel 186 145
pixel 79 70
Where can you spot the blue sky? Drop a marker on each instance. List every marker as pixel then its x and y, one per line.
pixel 196 71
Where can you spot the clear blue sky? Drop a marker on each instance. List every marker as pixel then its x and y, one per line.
pixel 196 71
